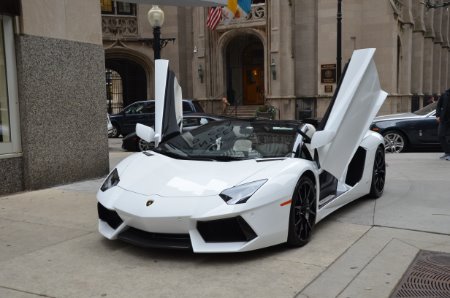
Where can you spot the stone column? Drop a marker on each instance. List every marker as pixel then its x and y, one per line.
pixel 286 62
pixel 406 34
pixel 282 56
pixel 275 28
pixel 444 50
pixel 199 54
pixel 418 44
pixel 448 69
pixel 305 46
pixel 405 66
pixel 444 69
pixel 428 53
pixel 437 24
pixel 61 82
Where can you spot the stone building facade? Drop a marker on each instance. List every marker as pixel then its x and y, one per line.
pixel 129 62
pixel 56 57
pixel 52 94
pixel 298 39
pixel 280 52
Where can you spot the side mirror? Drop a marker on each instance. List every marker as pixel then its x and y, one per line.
pixel 146 133
pixel 322 138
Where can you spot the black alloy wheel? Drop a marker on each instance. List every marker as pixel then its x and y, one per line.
pixel 115 131
pixel 303 212
pixel 378 175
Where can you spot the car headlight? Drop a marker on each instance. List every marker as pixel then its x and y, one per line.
pixel 112 180
pixel 241 193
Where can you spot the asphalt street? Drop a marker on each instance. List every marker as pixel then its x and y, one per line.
pixel 50 247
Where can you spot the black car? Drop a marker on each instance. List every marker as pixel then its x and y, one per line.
pixel 143 112
pixel 409 130
pixel 190 121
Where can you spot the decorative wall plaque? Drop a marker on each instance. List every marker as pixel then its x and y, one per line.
pixel 328 73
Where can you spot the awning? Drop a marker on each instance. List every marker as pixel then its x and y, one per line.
pixel 181 2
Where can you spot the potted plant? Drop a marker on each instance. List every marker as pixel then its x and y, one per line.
pixel 266 111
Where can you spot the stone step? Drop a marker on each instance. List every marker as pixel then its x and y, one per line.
pixel 242 111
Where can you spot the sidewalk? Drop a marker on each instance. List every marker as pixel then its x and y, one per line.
pixel 49 246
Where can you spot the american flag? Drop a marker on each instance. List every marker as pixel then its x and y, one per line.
pixel 214 17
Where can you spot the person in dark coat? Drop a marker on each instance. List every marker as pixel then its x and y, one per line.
pixel 443 118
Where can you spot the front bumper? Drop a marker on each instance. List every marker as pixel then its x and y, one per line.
pixel 203 224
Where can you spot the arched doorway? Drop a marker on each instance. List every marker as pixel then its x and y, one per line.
pixel 133 79
pixel 245 70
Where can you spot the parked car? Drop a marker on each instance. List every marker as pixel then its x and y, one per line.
pixel 241 185
pixel 143 112
pixel 190 121
pixel 408 130
pixel 4 130
pixel 109 125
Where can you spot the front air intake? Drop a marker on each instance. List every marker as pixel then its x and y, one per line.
pixel 155 240
pixel 110 216
pixel 234 229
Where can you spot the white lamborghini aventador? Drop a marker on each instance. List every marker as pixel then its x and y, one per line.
pixel 239 185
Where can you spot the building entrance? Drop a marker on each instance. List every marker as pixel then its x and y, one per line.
pixel 245 70
pixel 132 78
pixel 253 75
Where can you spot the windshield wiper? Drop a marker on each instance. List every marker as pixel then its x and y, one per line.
pixel 180 155
pixel 172 154
pixel 201 157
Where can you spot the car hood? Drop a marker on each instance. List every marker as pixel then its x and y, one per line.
pixel 165 176
pixel 396 117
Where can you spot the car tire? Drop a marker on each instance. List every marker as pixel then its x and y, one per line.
pixel 395 141
pixel 144 145
pixel 302 215
pixel 378 174
pixel 115 133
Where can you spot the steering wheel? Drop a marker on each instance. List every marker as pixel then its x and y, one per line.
pixel 212 147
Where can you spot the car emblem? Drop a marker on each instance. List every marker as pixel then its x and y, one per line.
pixel 149 202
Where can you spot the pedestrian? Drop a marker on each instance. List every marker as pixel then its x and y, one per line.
pixel 225 105
pixel 443 118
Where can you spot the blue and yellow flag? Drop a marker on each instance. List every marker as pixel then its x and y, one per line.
pixel 236 9
pixel 244 7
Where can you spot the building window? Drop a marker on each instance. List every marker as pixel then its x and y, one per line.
pixel 118 8
pixel 124 8
pixel 107 6
pixel 9 127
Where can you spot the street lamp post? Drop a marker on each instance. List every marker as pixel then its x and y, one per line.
pixel 339 42
pixel 156 19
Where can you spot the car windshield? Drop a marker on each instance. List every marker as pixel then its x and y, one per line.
pixel 426 109
pixel 197 106
pixel 233 140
